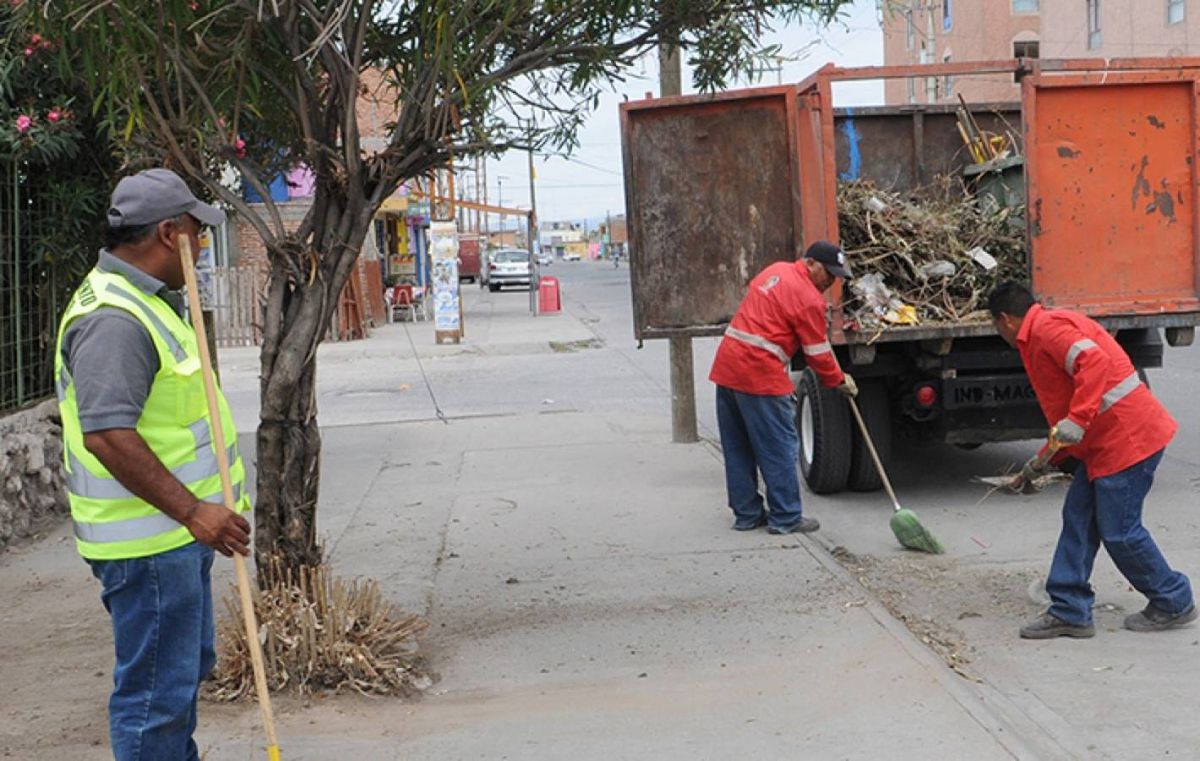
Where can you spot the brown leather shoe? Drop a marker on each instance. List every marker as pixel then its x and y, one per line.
pixel 1047 626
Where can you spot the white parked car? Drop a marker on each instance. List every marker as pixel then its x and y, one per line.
pixel 545 259
pixel 571 256
pixel 507 266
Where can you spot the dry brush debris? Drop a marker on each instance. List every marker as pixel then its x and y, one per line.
pixel 938 252
pixel 320 633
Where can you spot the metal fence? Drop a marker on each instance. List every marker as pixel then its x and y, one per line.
pixel 35 286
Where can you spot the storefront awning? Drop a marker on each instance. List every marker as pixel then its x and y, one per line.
pixel 394 204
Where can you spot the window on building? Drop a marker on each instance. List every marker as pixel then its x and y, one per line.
pixel 947 15
pixel 1025 6
pixel 912 90
pixel 1175 11
pixel 910 30
pixel 1025 49
pixel 1093 22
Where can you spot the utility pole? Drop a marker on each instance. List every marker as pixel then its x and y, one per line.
pixel 931 54
pixel 606 240
pixel 477 226
pixel 683 381
pixel 534 275
pixel 500 201
pixel 487 217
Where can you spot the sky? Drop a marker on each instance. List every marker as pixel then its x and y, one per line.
pixel 588 185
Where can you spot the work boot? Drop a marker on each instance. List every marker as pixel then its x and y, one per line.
pixel 1154 620
pixel 806 525
pixel 758 522
pixel 1048 626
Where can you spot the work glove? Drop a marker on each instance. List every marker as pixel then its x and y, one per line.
pixel 848 388
pixel 1034 468
pixel 1067 431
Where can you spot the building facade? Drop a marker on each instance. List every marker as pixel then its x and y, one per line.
pixel 946 31
pixel 1121 28
pixel 940 31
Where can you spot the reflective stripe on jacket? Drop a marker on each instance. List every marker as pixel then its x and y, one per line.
pixel 111 522
pixel 782 314
pixel 1079 371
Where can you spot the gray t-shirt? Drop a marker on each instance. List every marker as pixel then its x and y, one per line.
pixel 111 356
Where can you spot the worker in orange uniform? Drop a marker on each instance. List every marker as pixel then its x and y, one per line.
pixel 1108 420
pixel 783 313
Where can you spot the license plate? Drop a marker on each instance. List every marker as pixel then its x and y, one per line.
pixel 989 391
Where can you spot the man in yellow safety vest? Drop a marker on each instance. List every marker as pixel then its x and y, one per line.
pixel 142 475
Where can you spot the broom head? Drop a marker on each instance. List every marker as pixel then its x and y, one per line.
pixel 910 533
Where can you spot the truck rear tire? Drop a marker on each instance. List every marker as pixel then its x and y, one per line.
pixel 823 426
pixel 875 406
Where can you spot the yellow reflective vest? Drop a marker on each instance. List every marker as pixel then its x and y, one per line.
pixel 111 523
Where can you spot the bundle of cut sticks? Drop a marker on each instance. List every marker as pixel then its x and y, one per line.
pixel 937 252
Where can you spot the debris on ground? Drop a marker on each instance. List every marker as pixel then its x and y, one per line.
pixel 927 257
pixel 933 596
pixel 320 633
pixel 1003 483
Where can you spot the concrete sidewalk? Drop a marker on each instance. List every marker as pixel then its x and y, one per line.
pixel 383 379
pixel 585 595
pixel 586 600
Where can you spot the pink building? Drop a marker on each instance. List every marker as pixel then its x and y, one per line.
pixel 939 31
pixel 936 31
pixel 1121 28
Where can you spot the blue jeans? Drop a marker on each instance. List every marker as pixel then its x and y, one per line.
pixel 1109 510
pixel 162 617
pixel 758 435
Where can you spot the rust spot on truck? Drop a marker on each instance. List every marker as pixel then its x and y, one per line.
pixel 1163 203
pixel 1065 152
pixel 1141 186
pixel 1154 121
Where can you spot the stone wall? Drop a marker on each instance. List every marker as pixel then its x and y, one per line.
pixel 32 493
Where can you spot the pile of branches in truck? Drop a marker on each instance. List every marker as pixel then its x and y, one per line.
pixel 926 257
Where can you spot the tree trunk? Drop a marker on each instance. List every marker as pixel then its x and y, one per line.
pixel 289 450
pixel 298 313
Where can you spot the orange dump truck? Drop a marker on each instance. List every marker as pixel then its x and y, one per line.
pixel 718 186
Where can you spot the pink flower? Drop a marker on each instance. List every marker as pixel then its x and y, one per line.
pixel 24 123
pixel 54 115
pixel 35 39
pixel 240 148
pixel 28 52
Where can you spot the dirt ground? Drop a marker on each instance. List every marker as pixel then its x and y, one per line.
pixel 935 597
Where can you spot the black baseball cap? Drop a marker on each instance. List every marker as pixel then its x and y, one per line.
pixel 831 257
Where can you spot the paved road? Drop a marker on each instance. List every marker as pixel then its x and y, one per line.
pixel 1120 696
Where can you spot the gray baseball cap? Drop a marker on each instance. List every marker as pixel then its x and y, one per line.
pixel 154 195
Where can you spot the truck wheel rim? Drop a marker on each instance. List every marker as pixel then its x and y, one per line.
pixel 806 430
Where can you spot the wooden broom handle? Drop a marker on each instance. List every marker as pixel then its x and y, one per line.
pixel 862 426
pixel 214 415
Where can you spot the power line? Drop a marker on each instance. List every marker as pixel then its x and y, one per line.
pixel 584 163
